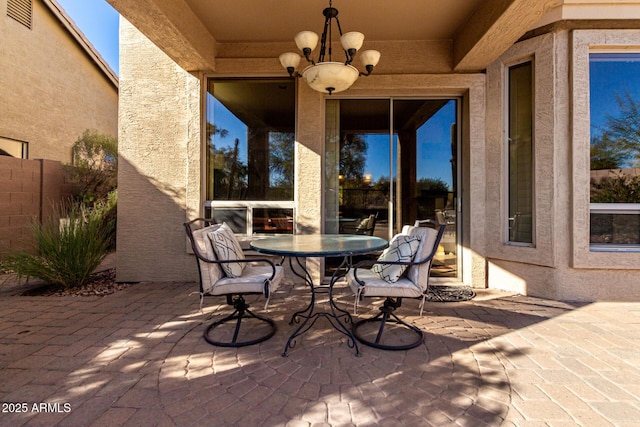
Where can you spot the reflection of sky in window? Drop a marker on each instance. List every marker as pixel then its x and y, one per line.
pixel 434 145
pixel 611 74
pixel 433 151
pixel 377 157
pixel 223 119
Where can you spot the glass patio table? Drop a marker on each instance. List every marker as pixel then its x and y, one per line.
pixel 296 247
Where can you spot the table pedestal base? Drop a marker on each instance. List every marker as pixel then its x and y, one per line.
pixel 309 315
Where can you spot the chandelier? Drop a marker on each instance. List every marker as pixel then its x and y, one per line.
pixel 325 75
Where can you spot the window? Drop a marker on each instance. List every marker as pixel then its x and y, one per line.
pixel 13 148
pixel 250 135
pixel 520 153
pixel 615 150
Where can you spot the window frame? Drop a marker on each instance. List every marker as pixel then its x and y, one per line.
pixel 583 42
pixel 249 205
pixel 545 207
pixel 611 208
pixel 507 158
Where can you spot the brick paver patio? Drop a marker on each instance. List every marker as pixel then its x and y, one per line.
pixel 137 358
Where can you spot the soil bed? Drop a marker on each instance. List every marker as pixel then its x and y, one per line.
pixel 99 284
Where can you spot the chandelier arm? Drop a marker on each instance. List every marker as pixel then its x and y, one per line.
pixel 349 54
pixel 369 70
pixel 307 54
pixel 323 40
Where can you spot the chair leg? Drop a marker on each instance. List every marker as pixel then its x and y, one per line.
pixel 385 316
pixel 241 312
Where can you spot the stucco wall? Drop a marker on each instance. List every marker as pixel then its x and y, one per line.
pixel 561 264
pixel 161 158
pixel 159 121
pixel 50 90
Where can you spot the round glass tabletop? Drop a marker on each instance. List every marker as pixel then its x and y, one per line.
pixel 318 245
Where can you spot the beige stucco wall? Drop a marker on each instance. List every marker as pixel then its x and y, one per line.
pixel 161 156
pixel 159 127
pixel 50 90
pixel 161 163
pixel 561 265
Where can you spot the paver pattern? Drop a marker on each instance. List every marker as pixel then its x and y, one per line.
pixel 137 357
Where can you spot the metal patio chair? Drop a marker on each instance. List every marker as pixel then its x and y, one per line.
pixel 258 276
pixel 413 283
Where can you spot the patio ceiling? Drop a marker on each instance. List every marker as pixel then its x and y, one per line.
pixel 191 30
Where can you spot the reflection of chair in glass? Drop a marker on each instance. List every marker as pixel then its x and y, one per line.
pixel 412 283
pixel 224 271
pixel 364 226
pixel 449 239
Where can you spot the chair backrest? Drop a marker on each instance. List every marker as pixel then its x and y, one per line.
pixel 197 232
pixel 367 225
pixel 430 234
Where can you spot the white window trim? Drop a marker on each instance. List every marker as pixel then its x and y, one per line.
pixel 250 206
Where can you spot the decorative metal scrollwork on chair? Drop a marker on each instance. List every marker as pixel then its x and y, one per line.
pixel 402 271
pixel 224 271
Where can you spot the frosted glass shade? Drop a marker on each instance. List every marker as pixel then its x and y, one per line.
pixel 352 40
pixel 290 59
pixel 370 57
pixel 330 77
pixel 306 39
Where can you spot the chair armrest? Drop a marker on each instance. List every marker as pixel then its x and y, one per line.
pixel 246 260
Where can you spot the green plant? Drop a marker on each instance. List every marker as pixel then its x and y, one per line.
pixel 95 166
pixel 618 188
pixel 67 251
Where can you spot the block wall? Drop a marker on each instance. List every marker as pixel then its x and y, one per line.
pixel 29 190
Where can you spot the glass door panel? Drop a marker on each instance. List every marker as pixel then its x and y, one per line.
pixel 388 163
pixel 358 168
pixel 427 142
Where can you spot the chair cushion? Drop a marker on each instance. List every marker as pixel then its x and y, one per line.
pixel 209 272
pixel 377 287
pixel 419 274
pixel 402 248
pixel 251 281
pixel 363 224
pixel 227 247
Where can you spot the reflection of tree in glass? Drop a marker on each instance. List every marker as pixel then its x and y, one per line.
pixel 352 157
pixel 432 184
pixel 618 145
pixel 619 188
pixel 230 182
pixel 281 164
pixel 229 172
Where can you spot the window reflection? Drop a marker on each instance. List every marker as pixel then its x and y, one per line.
pixel 521 153
pixel 250 139
pixel 615 147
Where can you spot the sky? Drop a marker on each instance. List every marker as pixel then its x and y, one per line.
pixel 98 21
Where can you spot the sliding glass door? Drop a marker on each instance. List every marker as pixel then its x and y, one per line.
pixel 389 162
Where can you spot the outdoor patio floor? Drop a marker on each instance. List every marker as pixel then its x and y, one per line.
pixel 137 357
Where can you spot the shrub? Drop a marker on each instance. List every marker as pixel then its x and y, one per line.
pixel 95 166
pixel 618 188
pixel 68 251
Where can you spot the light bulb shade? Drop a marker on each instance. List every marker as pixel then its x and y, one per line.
pixel 290 60
pixel 352 40
pixel 370 57
pixel 306 39
pixel 330 77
